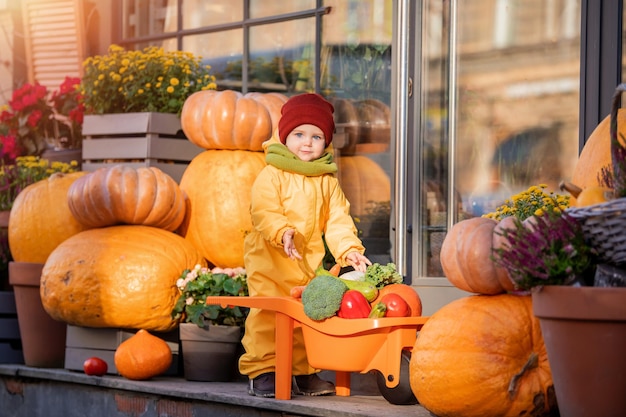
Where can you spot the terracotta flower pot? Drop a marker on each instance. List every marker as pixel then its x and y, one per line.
pixel 584 329
pixel 43 338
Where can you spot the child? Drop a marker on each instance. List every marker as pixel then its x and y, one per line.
pixel 296 202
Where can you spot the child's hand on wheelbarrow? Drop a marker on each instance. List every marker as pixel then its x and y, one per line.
pixel 357 261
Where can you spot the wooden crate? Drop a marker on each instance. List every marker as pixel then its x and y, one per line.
pixel 84 342
pixel 137 140
pixel 10 342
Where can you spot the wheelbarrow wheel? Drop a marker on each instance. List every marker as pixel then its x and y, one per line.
pixel 401 394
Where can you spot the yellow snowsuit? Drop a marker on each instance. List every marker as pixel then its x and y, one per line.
pixel 313 206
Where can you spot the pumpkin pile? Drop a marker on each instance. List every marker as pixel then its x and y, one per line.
pixel 231 127
pixel 121 271
pixel 483 354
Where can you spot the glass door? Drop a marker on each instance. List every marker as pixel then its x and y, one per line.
pixel 495 105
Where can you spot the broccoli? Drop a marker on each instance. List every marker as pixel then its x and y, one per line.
pixel 380 275
pixel 322 297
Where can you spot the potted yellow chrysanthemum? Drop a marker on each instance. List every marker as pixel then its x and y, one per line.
pixel 139 95
pixel 150 80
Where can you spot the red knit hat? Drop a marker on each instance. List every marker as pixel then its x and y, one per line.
pixel 305 109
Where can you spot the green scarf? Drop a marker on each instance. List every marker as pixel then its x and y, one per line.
pixel 279 156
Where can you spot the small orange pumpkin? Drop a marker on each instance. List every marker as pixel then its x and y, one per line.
pixel 482 355
pixel 231 120
pixel 124 195
pixel 41 219
pixel 466 257
pixel 406 292
pixel 142 356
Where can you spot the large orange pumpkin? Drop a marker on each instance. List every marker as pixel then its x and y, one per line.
pixel 118 276
pixel 364 183
pixel 231 120
pixel 124 195
pixel 41 219
pixel 466 257
pixel 596 153
pixel 482 356
pixel 218 185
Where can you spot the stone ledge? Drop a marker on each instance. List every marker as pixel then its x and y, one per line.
pixel 67 393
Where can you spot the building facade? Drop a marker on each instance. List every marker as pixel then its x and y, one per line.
pixel 447 108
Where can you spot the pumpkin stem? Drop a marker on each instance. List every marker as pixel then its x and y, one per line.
pixel 531 363
pixel 571 188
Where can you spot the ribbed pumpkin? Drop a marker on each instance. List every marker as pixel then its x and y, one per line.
pixel 596 153
pixel 482 356
pixel 466 257
pixel 117 276
pixel 124 195
pixel 364 183
pixel 218 185
pixel 41 219
pixel 230 120
pixel 142 356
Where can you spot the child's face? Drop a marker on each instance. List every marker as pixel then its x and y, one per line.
pixel 307 142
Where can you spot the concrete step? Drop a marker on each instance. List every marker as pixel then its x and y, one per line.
pixel 34 392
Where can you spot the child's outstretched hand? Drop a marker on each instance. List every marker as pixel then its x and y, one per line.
pixel 357 261
pixel 289 246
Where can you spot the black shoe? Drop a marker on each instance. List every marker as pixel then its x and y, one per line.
pixel 263 385
pixel 313 385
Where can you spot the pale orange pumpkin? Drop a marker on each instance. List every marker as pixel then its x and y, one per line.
pixel 482 356
pixel 121 194
pixel 466 257
pixel 41 219
pixel 364 183
pixel 231 120
pixel 218 185
pixel 142 356
pixel 596 153
pixel 117 276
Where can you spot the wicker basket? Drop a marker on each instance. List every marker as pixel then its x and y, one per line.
pixel 604 226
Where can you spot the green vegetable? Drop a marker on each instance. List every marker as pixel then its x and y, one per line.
pixel 378 311
pixel 368 290
pixel 322 297
pixel 380 275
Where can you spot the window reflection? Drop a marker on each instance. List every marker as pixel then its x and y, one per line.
pixel 516 117
pixel 356 76
pixel 263 8
pixel 148 17
pixel 201 13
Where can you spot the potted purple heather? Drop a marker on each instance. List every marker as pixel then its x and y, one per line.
pixel 583 326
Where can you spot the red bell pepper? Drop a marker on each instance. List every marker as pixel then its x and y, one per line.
pixel 396 305
pixel 354 305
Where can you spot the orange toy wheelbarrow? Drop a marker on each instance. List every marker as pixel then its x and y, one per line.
pixel 340 345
